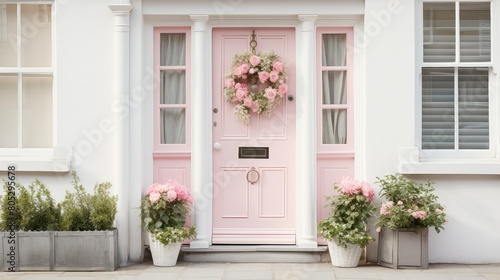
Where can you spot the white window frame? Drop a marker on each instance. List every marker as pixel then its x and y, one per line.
pixel 52 159
pixel 465 155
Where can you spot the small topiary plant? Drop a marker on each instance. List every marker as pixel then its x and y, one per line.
pixel 11 217
pixel 103 207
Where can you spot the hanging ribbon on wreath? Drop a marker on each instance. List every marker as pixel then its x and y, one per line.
pixel 256 83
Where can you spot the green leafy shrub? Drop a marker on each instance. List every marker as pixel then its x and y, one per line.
pixel 38 210
pixel 83 211
pixel 409 205
pixel 34 209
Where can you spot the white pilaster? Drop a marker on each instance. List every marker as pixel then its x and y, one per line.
pixel 121 13
pixel 306 127
pixel 200 134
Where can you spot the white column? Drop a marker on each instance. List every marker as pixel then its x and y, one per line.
pixel 306 127
pixel 121 51
pixel 200 135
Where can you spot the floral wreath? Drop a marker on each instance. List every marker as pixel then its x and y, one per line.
pixel 256 84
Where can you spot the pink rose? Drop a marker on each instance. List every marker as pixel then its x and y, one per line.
pixel 154 197
pixel 241 94
pixel 229 83
pixel 273 76
pixel 237 86
pixel 244 68
pixel 252 70
pixel 255 107
pixel 278 66
pixel 400 203
pixel 419 215
pixel 379 229
pixel 283 88
pixel 385 208
pixel 238 71
pixel 172 195
pixel 263 76
pixel 254 60
pixel 248 101
pixel 270 94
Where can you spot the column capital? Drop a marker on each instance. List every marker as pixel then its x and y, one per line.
pixel 120 9
pixel 200 22
pixel 199 18
pixel 308 18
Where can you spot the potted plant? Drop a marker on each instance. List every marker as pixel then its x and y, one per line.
pixel 74 235
pixel 345 228
pixel 409 209
pixel 164 214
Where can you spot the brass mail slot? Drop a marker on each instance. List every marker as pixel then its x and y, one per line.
pixel 253 152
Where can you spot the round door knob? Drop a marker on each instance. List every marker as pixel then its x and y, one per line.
pixel 290 98
pixel 217 145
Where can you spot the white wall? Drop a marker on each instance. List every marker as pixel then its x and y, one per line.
pixel 471 235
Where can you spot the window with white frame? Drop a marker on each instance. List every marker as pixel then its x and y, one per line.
pixel 172 92
pixel 456 71
pixel 26 76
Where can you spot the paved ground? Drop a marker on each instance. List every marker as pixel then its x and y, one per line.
pixel 298 271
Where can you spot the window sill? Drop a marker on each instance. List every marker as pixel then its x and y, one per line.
pixel 410 163
pixel 57 159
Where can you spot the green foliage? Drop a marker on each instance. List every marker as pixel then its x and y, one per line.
pixel 163 214
pixel 38 210
pixel 84 211
pixel 347 220
pixel 11 216
pixel 174 234
pixel 409 205
pixel 103 207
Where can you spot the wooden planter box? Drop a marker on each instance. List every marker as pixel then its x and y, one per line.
pixel 59 251
pixel 403 248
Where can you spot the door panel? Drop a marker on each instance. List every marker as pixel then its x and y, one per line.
pixel 254 202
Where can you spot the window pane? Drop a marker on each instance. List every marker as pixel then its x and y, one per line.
pixel 334 87
pixel 438 108
pixel 475 39
pixel 8 35
pixel 473 108
pixel 8 111
pixel 173 125
pixel 37 112
pixel 173 49
pixel 334 50
pixel 439 32
pixel 36 36
pixel 334 126
pixel 173 87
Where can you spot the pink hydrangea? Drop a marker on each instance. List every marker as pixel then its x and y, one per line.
pixel 154 197
pixel 152 188
pixel 171 195
pixel 368 192
pixel 254 60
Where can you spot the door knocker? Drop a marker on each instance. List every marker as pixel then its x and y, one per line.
pixel 256 177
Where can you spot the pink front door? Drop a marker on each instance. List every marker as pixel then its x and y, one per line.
pixel 254 164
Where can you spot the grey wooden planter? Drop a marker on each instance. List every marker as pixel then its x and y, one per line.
pixel 60 251
pixel 403 248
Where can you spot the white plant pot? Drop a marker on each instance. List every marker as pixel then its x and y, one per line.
pixel 344 257
pixel 163 255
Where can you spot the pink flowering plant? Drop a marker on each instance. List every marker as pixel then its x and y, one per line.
pixel 409 204
pixel 350 209
pixel 165 210
pixel 256 83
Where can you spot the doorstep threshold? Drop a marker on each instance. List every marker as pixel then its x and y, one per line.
pixel 252 248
